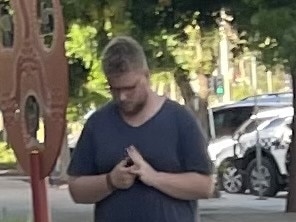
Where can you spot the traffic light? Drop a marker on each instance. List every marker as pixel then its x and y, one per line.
pixel 216 84
pixel 219 86
pixel 212 83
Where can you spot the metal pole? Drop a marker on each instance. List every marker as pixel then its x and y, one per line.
pixel 269 81
pixel 212 124
pixel 254 76
pixel 223 65
pixel 224 55
pixel 40 207
pixel 258 156
pixel 258 146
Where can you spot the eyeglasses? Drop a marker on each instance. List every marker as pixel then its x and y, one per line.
pixel 127 89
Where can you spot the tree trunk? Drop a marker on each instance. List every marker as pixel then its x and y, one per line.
pixel 291 201
pixel 203 103
pixel 59 175
pixel 64 160
pixel 200 109
pixel 189 96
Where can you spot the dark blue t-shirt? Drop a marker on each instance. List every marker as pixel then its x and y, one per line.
pixel 171 141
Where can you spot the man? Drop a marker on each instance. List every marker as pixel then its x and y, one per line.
pixel 141 157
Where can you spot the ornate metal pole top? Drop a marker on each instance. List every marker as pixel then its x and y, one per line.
pixel 34 77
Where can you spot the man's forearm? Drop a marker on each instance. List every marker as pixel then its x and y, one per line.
pixel 185 186
pixel 89 189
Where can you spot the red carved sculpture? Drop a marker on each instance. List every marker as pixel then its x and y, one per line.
pixel 33 81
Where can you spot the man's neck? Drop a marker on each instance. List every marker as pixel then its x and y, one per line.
pixel 152 106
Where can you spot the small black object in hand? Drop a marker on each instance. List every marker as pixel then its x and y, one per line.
pixel 129 162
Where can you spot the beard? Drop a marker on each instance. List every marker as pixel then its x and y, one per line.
pixel 130 108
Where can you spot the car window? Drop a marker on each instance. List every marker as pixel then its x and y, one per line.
pixel 278 121
pixel 219 121
pixel 228 120
pixel 275 123
pixel 256 123
pixel 251 127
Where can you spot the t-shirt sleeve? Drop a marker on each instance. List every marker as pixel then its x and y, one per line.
pixel 193 145
pixel 83 159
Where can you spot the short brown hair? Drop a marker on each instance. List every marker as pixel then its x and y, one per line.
pixel 123 54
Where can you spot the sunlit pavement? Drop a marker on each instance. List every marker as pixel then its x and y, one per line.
pixel 245 208
pixel 16 205
pixel 241 203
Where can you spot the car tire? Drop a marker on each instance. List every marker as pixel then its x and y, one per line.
pixel 231 179
pixel 270 185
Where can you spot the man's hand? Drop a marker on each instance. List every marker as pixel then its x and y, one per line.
pixel 120 176
pixel 184 186
pixel 141 168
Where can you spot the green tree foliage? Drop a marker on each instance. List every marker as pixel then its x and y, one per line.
pixel 87 83
pixel 272 24
pixel 169 31
pixel 7 157
pixel 89 26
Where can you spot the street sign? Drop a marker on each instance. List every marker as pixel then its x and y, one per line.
pixel 33 86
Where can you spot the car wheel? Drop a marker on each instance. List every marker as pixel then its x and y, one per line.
pixel 231 179
pixel 269 184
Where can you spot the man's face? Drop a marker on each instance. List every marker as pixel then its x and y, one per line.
pixel 129 91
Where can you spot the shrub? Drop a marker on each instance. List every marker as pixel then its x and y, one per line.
pixel 7 156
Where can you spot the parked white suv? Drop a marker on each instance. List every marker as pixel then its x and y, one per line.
pixel 273 139
pixel 225 150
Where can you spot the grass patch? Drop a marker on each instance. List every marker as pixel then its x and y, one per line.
pixel 7 157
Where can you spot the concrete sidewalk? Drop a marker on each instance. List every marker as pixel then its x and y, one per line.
pixel 247 217
pixel 16 206
pixel 245 208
